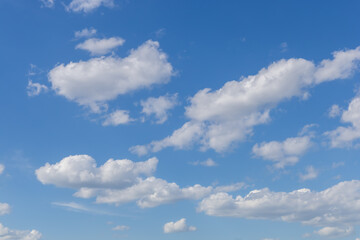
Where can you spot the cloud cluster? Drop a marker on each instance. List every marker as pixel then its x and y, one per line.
pixel 34 89
pixel 116 118
pixel 159 106
pixel 179 226
pixel 283 153
pixel 87 6
pixel 48 3
pixel 229 114
pixel 6 233
pixel 120 181
pixel 345 136
pixel 85 33
pixel 94 82
pixel 337 206
pixel 100 46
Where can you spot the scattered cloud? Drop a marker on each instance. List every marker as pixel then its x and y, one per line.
pixel 283 153
pixel 76 207
pixel 85 33
pixel 6 233
pixel 207 163
pixel 94 82
pixel 120 228
pixel 284 47
pixel 311 173
pixel 228 115
pixel 34 89
pixel 100 46
pixel 335 231
pixel 337 164
pixel 2 168
pixel 116 118
pixel 4 208
pixel 179 226
pixel 345 136
pixel 87 6
pixel 120 181
pixel 48 3
pixel 159 106
pixel 334 111
pixel 337 206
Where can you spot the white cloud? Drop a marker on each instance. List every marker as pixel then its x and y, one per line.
pixel 335 231
pixel 121 228
pixel 159 106
pixel 311 173
pixel 6 233
pixel 334 111
pixel 94 82
pixel 337 206
pixel 85 33
pixel 2 168
pixel 207 163
pixel 34 89
pixel 228 115
pixel 120 181
pixel 179 226
pixel 283 153
pixel 87 6
pixel 116 118
pixel 100 46
pixel 345 136
pixel 48 3
pixel 4 208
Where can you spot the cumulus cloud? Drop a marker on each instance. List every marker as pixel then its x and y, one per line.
pixel 345 136
pixel 48 3
pixel 337 206
pixel 2 168
pixel 283 153
pixel 6 233
pixel 179 226
pixel 311 173
pixel 94 82
pixel 120 181
pixel 34 89
pixel 100 46
pixel 4 208
pixel 116 118
pixel 85 33
pixel 87 6
pixel 228 115
pixel 159 107
pixel 120 228
pixel 335 231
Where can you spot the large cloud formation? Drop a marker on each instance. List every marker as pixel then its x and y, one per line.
pixel 337 206
pixel 218 119
pixel 94 82
pixel 120 181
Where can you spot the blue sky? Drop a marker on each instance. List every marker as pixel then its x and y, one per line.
pixel 235 120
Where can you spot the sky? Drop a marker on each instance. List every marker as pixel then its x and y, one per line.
pixel 171 120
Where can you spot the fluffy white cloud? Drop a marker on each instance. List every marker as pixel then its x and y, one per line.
pixel 228 115
pixel 337 206
pixel 283 153
pixel 345 136
pixel 34 89
pixel 100 46
pixel 87 6
pixel 116 118
pixel 2 168
pixel 121 228
pixel 94 82
pixel 311 173
pixel 48 3
pixel 85 33
pixel 159 106
pixel 179 226
pixel 120 181
pixel 207 163
pixel 335 231
pixel 4 208
pixel 334 111
pixel 6 233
